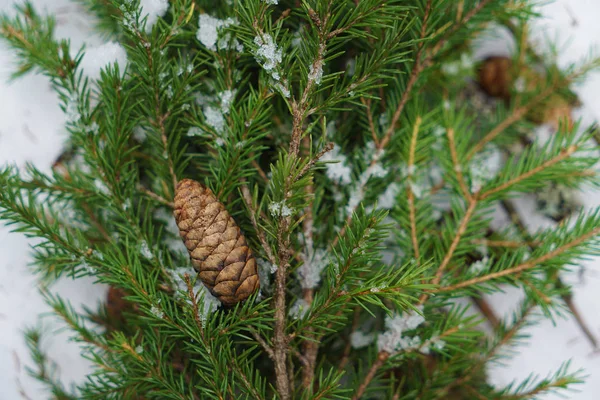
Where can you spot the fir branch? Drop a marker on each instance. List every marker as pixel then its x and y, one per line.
pixel 409 192
pixel 569 245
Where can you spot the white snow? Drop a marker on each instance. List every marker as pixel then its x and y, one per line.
pixel 315 72
pixel 337 169
pixel 214 117
pixel 206 301
pixel 359 339
pixel 226 97
pixel 394 340
pixel 153 10
pixel 313 264
pixel 299 309
pixel 268 55
pixel 145 250
pixel 209 28
pixel 32 130
pixel 97 58
pixel 279 209
pixel 271 2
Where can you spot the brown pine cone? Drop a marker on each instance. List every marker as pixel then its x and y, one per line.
pixel 217 247
pixel 494 76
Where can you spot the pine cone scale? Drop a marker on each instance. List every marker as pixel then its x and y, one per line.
pixel 217 248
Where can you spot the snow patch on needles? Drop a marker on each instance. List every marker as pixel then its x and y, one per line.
pixel 359 339
pixel 279 209
pixel 226 97
pixel 208 31
pixel 392 340
pixel 338 172
pixel 267 54
pixel 484 167
pixel 299 309
pixel 313 264
pixel 97 58
pixel 153 10
pixel 387 199
pixel 271 2
pixel 315 72
pixel 207 303
pixel 145 250
pixel 214 118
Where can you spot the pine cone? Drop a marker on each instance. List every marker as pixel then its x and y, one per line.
pixel 494 76
pixel 217 247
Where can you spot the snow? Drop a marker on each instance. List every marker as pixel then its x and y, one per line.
pixel 32 130
pixel 97 58
pixel 207 303
pixel 271 2
pixel 337 168
pixel 279 209
pixel 299 309
pixel 359 339
pixel 268 55
pixel 153 10
pixel 214 117
pixel 208 30
pixel 313 264
pixel 315 72
pixel 394 340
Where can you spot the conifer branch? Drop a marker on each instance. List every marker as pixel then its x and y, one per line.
pixel 382 357
pixel 564 154
pixel 409 191
pixel 458 166
pixel 523 266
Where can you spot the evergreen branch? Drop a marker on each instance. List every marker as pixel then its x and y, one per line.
pixel 564 154
pixel 382 357
pixel 409 191
pixel 46 368
pixel 523 266
pixel 450 252
pixel 418 67
pixel 457 166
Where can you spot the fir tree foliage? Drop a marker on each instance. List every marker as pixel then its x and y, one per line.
pixel 335 134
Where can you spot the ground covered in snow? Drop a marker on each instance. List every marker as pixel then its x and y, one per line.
pixel 32 130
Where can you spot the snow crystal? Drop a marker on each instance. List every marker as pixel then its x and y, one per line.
pixel 145 250
pixel 139 349
pixel 484 167
pixel 265 269
pixel 315 72
pixel 392 340
pixel 359 339
pixel 437 343
pixel 339 172
pixel 208 303
pixel 96 58
pixel 520 84
pixel 279 209
pixel 226 97
pixel 351 66
pixel 157 312
pixel 271 2
pixel 214 118
pixel 387 199
pixel 480 265
pixel 72 109
pixel 195 131
pixel 267 54
pixel 299 309
pixel 208 31
pixel 153 10
pixel 313 264
pixel 285 92
pixel 101 187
